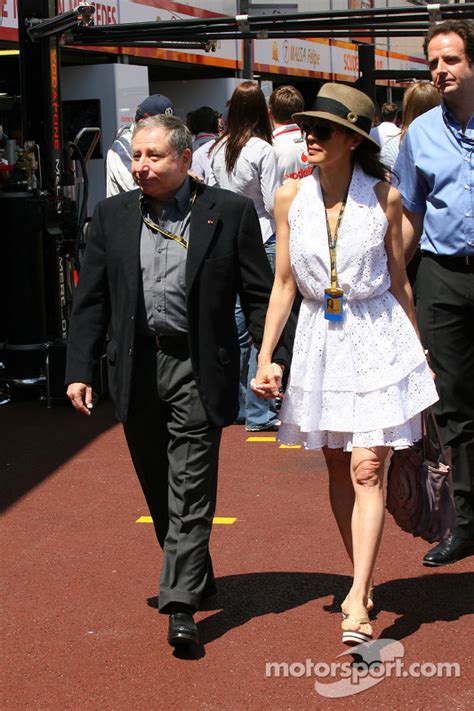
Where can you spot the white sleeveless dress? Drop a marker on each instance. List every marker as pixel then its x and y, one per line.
pixel 362 381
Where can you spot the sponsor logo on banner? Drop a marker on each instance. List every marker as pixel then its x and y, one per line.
pixel 106 13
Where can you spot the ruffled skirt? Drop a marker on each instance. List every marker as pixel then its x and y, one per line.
pixel 359 383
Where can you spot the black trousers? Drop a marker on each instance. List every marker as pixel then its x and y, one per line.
pixel 175 453
pixel 445 313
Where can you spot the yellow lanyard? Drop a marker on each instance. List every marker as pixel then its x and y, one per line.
pixel 156 228
pixel 332 241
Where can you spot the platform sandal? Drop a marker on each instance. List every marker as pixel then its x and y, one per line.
pixel 353 637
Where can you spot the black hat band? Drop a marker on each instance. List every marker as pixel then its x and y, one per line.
pixel 331 106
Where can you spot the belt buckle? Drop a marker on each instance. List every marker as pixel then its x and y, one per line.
pixel 468 260
pixel 158 342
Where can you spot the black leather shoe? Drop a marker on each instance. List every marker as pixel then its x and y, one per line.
pixel 182 629
pixel 450 550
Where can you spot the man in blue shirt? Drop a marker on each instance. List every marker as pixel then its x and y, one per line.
pixel 436 170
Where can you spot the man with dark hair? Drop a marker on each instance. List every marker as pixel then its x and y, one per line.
pixel 462 28
pixel 204 125
pixel 119 159
pixel 289 144
pixel 389 112
pixel 436 169
pixel 388 128
pixel 162 270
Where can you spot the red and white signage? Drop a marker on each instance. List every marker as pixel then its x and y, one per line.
pixel 322 58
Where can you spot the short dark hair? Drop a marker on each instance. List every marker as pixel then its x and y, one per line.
pixel 284 102
pixel 203 119
pixel 463 28
pixel 389 112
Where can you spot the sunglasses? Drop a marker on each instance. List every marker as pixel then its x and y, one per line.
pixel 322 131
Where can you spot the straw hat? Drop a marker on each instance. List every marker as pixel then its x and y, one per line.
pixel 346 106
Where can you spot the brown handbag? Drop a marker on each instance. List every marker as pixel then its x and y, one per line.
pixel 420 488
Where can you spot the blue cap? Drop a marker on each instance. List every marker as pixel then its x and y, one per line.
pixel 153 105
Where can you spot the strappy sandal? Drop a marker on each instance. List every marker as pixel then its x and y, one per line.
pixel 370 601
pixel 352 637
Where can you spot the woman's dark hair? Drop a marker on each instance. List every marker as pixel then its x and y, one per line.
pixel 247 117
pixel 367 155
pixel 368 158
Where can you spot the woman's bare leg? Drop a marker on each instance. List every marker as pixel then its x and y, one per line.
pixel 341 492
pixel 367 525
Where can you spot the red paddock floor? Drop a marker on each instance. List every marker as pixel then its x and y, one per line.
pixel 80 625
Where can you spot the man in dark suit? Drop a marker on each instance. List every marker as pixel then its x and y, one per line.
pixel 162 269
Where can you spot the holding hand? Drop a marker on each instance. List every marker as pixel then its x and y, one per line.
pixel 267 382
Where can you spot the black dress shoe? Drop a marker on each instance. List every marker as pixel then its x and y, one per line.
pixel 182 629
pixel 450 550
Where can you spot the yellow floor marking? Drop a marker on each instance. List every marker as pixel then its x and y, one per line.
pixel 225 520
pixel 273 439
pixel 261 439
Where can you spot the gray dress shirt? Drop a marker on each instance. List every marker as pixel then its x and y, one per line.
pixel 162 308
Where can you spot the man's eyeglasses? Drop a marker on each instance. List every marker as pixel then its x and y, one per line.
pixel 322 131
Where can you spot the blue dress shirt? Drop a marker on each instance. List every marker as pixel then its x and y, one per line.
pixel 436 170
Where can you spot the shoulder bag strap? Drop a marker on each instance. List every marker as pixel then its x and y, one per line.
pixel 426 415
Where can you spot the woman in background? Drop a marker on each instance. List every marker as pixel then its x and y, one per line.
pixel 243 160
pixel 418 98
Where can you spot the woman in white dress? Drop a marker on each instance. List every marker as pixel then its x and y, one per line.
pixel 359 376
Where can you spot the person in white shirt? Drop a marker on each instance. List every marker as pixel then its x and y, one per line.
pixel 288 142
pixel 243 160
pixel 388 127
pixel 119 156
pixel 201 165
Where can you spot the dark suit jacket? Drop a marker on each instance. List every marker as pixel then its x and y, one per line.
pixel 225 257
